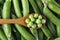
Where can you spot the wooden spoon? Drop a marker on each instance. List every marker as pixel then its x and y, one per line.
pixel 15 21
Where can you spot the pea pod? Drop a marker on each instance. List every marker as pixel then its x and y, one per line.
pixel 40 34
pixel 58 30
pixel 34 6
pixel 2 35
pixel 51 16
pixel 25 6
pixel 35 33
pixel 40 5
pixel 6 15
pixel 54 8
pixel 22 38
pixel 51 27
pixel 54 2
pixel 57 38
pixel 46 32
pixel 17 8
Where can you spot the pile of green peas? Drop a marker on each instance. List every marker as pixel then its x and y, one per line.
pixel 35 21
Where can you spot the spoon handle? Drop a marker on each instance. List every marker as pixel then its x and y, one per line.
pixel 8 21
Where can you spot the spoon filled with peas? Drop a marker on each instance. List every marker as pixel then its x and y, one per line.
pixel 34 20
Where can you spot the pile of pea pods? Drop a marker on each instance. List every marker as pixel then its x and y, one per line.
pixel 12 9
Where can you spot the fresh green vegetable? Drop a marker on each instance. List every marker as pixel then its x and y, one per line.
pixel 54 8
pixel 32 19
pixel 36 15
pixel 6 15
pixel 35 33
pixel 40 35
pixel 27 20
pixel 39 17
pixel 25 6
pixel 43 21
pixel 57 38
pixel 34 26
pixel 30 23
pixel 31 16
pixel 50 16
pixel 34 6
pixel 2 35
pixel 46 31
pixel 39 25
pixel 17 8
pixel 51 27
pixel 38 21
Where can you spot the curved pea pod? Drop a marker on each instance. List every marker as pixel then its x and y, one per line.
pixel 2 35
pixel 51 16
pixel 54 8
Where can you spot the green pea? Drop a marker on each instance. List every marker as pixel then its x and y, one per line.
pixel 43 21
pixel 34 26
pixel 31 16
pixel 38 21
pixel 27 20
pixel 36 15
pixel 39 25
pixel 32 19
pixel 39 17
pixel 30 23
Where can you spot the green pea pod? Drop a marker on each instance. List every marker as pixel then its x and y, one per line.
pixel 34 32
pixel 46 31
pixel 52 29
pixel 34 6
pixel 25 6
pixel 54 8
pixel 57 38
pixel 2 35
pixel 40 5
pixel 6 15
pixel 50 16
pixel 17 34
pixel 58 30
pixel 54 2
pixel 17 8
pixel 22 38
pixel 40 35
